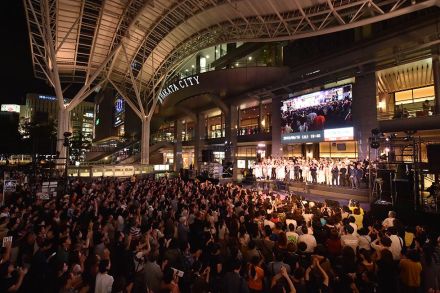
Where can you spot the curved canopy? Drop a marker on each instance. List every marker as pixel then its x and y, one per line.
pixel 136 44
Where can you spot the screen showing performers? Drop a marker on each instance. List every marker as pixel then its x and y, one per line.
pixel 330 108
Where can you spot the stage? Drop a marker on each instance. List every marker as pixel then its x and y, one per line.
pixel 317 192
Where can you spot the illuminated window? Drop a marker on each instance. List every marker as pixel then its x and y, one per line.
pixel 202 64
pixel 414 95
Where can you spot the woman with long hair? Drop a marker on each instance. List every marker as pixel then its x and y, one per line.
pixel 255 275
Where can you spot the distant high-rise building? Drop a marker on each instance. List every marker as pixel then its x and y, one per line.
pixel 44 108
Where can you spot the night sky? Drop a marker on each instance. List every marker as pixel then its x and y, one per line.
pixel 17 76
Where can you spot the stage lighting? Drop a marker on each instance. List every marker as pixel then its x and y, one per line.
pixel 374 144
pixel 375 131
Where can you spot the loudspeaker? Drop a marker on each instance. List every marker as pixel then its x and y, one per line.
pixel 380 210
pixel 433 152
pixel 207 156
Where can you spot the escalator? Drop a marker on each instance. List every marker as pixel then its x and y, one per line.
pixel 155 155
pixel 116 154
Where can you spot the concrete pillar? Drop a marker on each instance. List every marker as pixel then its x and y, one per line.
pixel 145 142
pixel 231 125
pixel 276 127
pixel 178 160
pixel 199 139
pixel 260 116
pixel 63 125
pixel 364 111
pixel 436 75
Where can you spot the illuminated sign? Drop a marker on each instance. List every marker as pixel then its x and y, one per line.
pixel 119 105
pixel 310 136
pixel 43 97
pixel 241 164
pixel 119 112
pixel 88 115
pixel 179 85
pixel 10 108
pixel 346 133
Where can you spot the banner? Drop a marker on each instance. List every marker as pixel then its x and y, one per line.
pixel 48 190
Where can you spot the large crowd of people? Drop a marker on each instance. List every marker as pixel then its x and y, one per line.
pixel 171 235
pixel 332 172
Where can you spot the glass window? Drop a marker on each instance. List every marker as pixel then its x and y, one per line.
pixel 403 96
pixel 424 93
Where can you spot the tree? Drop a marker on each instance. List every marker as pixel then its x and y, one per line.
pixel 39 137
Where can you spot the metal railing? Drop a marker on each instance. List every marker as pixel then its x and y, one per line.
pixel 109 171
pixel 242 131
pixel 410 110
pixel 242 64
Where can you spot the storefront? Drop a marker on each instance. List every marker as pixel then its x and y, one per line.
pixel 248 154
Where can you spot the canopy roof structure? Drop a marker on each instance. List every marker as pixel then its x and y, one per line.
pixel 137 44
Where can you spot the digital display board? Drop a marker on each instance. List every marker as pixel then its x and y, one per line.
pixel 10 108
pixel 305 118
pixel 346 133
pixel 311 136
pixel 119 111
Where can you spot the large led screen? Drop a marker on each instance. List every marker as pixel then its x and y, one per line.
pixel 314 112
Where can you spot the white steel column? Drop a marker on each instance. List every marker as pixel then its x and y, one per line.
pixel 145 141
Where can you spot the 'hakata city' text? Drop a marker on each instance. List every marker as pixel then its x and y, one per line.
pixel 179 85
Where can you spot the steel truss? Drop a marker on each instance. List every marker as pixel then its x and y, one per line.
pixel 137 44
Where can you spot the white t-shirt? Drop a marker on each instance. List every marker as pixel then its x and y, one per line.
pixel 310 240
pixel 270 223
pixel 289 221
pixel 364 242
pixel 396 246
pixel 350 240
pixel 355 228
pixel 104 283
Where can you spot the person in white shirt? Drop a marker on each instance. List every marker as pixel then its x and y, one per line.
pixel 291 221
pixel 389 222
pixel 396 243
pixel 348 239
pixel 308 239
pixel 364 239
pixel 104 282
pixel 353 224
